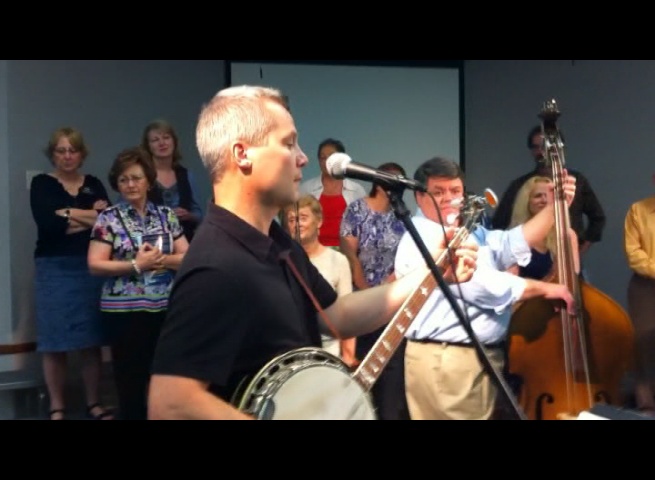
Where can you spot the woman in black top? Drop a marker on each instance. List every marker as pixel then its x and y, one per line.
pixel 65 204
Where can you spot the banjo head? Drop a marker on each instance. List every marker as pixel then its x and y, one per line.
pixel 306 384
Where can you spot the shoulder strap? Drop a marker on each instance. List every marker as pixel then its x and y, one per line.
pixel 287 258
pixel 127 230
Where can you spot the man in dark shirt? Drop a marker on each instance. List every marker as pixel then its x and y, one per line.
pixel 237 302
pixel 585 203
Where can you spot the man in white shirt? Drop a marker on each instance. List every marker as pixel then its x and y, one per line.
pixel 444 378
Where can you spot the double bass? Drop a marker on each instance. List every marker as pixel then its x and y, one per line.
pixel 567 362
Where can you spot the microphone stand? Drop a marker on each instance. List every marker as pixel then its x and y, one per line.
pixel 402 212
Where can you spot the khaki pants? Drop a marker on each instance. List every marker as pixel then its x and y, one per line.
pixel 448 382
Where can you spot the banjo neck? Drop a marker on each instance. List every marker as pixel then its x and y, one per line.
pixel 390 339
pixel 387 343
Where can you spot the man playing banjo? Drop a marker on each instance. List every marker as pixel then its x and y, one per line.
pixel 247 293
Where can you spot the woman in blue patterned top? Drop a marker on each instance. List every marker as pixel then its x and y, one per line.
pixel 138 245
pixel 370 232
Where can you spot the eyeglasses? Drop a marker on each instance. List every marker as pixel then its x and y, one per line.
pixel 62 151
pixel 133 179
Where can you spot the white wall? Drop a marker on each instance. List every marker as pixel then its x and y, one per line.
pixel 5 206
pixel 382 114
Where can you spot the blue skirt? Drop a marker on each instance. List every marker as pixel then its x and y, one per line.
pixel 67 304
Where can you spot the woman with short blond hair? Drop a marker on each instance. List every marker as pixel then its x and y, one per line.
pixel 303 221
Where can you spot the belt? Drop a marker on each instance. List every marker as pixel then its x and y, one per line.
pixel 490 346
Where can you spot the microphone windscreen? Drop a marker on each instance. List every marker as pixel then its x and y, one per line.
pixel 336 164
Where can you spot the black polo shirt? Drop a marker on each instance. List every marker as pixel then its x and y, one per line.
pixel 235 305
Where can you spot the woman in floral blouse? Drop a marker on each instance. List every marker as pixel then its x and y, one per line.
pixel 138 246
pixel 370 232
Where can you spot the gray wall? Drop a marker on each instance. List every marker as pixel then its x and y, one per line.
pixel 110 101
pixel 608 108
pixel 608 116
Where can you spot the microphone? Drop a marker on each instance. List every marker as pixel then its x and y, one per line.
pixel 339 165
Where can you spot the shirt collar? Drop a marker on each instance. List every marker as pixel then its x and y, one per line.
pixel 151 209
pixel 262 246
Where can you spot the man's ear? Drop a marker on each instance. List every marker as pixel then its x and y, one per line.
pixel 240 153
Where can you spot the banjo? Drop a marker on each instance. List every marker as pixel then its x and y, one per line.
pixel 312 384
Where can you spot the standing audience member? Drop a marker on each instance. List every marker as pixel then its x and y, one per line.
pixel 333 194
pixel 445 379
pixel 370 232
pixel 65 204
pixel 586 213
pixel 246 292
pixel 175 186
pixel 332 265
pixel 639 245
pixel 138 246
pixel 530 200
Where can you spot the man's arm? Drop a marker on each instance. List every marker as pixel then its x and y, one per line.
pixel 366 310
pixel 349 245
pixel 594 212
pixel 181 398
pixel 549 291
pixel 196 348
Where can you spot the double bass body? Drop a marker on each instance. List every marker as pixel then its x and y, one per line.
pixel 537 356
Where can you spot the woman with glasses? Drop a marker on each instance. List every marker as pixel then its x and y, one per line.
pixel 305 218
pixel 65 204
pixel 137 245
pixel 175 185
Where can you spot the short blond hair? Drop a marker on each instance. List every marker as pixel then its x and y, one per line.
pixel 306 200
pixel 73 135
pixel 238 113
